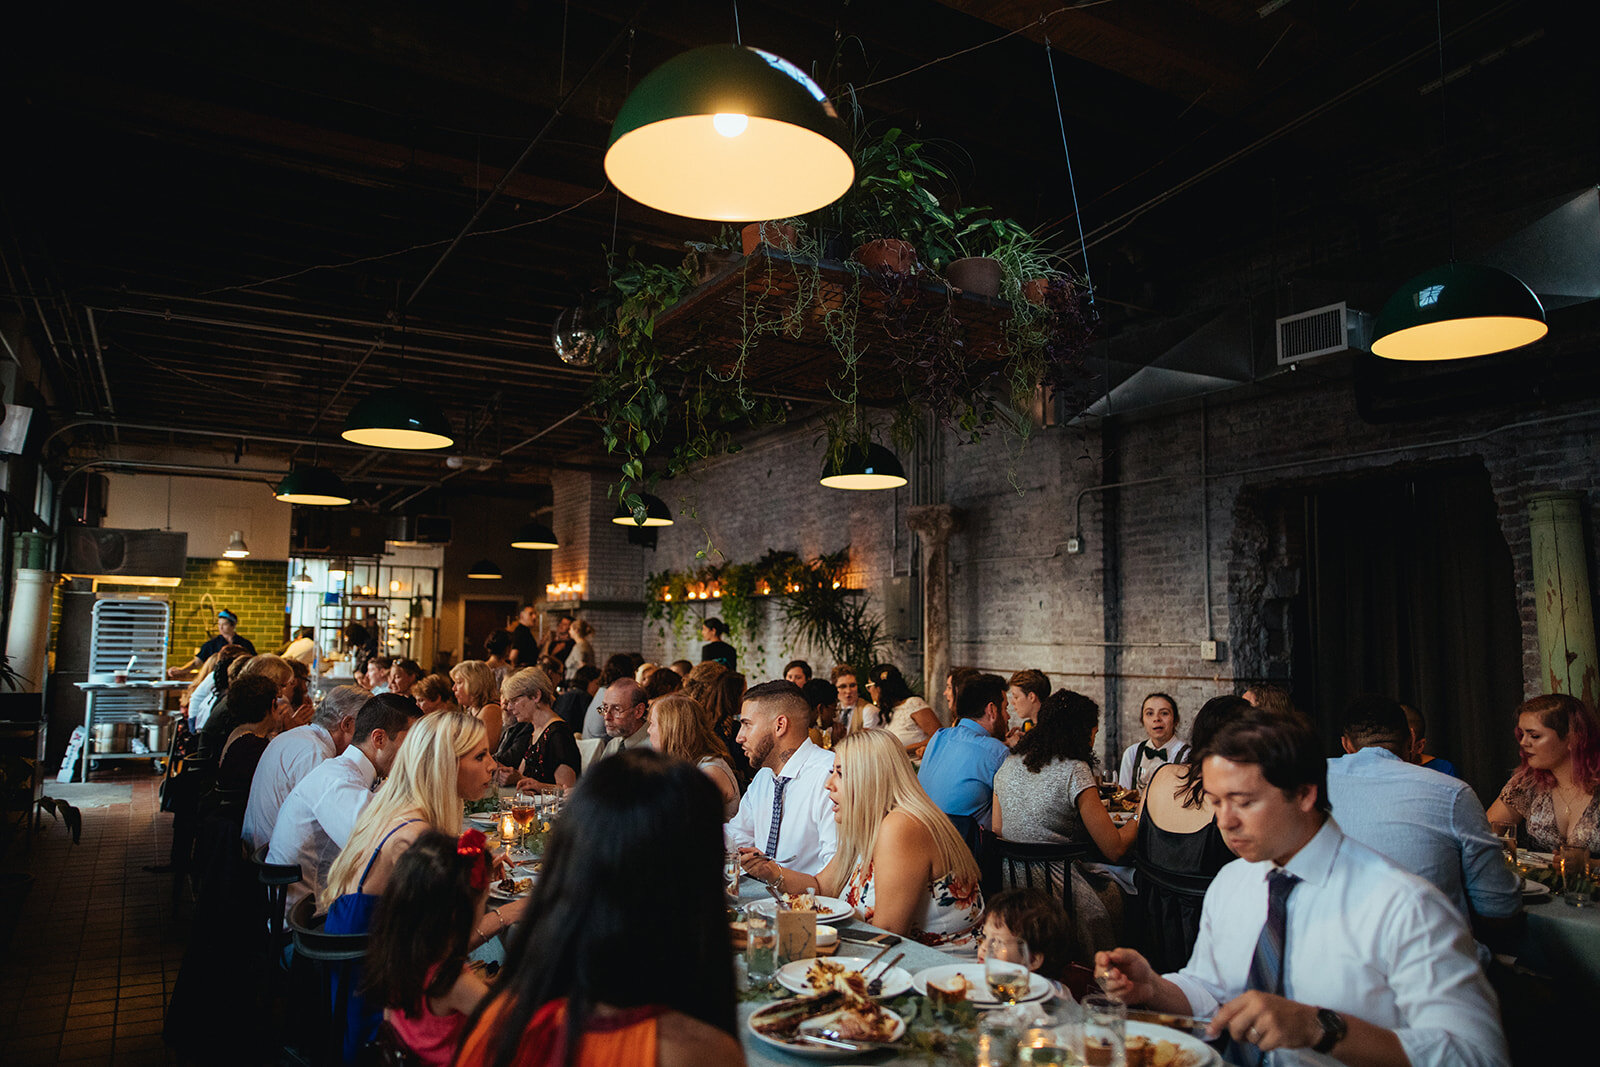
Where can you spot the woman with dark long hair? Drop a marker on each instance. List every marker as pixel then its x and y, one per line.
pixel 1179 849
pixel 598 977
pixel 1556 788
pixel 904 714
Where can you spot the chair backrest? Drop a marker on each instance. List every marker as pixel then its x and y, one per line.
pixel 1035 866
pixel 313 942
pixel 588 749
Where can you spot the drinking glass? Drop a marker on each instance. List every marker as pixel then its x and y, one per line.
pixel 1507 833
pixel 1573 863
pixel 1105 1030
pixel 730 873
pixel 997 1040
pixel 1005 969
pixel 761 945
pixel 524 809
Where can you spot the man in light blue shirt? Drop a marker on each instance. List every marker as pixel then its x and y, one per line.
pixel 1428 823
pixel 959 764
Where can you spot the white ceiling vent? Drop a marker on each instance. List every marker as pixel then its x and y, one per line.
pixel 1321 332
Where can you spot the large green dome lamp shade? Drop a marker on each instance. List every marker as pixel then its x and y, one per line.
pixel 535 535
pixel 1455 312
pixel 398 418
pixel 874 467
pixel 317 486
pixel 656 513
pixel 732 134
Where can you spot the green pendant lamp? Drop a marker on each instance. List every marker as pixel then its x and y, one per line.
pixel 1458 311
pixel 732 134
pixel 313 485
pixel 398 418
pixel 486 569
pixel 656 513
pixel 873 467
pixel 535 535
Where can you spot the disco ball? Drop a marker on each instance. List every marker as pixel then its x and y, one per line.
pixel 574 336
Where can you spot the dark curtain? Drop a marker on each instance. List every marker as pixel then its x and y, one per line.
pixel 1411 594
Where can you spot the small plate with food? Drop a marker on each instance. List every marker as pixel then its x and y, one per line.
pixel 831 1026
pixel 1150 1045
pixel 965 981
pixel 518 882
pixel 821 975
pixel 828 909
pixel 484 820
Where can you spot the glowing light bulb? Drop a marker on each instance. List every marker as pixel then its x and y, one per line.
pixel 730 125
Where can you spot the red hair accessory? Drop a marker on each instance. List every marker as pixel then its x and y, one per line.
pixel 471 844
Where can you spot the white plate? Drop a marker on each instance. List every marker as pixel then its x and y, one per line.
pixel 811 1051
pixel 519 873
pixel 1201 1054
pixel 1038 987
pixel 485 819
pixel 836 910
pixel 1534 859
pixel 1534 890
pixel 792 976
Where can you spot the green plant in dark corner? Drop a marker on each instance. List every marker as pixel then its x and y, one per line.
pixel 20 774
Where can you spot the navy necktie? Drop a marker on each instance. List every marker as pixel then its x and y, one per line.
pixel 1266 966
pixel 777 817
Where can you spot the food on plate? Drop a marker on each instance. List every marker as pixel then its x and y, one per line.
pixel 849 1012
pixel 957 987
pixel 783 1017
pixel 862 1022
pixel 803 902
pixel 513 887
pixel 1141 1052
pixel 824 975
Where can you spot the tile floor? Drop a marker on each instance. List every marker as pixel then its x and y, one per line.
pixel 95 952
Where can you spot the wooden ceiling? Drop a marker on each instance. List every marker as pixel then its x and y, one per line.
pixel 222 213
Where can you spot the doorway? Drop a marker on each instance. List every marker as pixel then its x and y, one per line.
pixel 482 616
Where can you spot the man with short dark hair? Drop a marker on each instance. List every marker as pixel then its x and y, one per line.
pixel 319 813
pixel 560 642
pixel 291 756
pixel 1418 752
pixel 960 761
pixel 786 815
pixel 1430 824
pixel 626 711
pixel 524 645
pixel 1311 944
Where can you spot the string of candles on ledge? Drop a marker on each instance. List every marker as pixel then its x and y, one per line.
pixel 713 590
pixel 564 591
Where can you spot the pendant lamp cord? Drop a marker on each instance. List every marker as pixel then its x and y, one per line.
pixel 1444 133
pixel 1077 216
pixel 738 36
pixel 616 198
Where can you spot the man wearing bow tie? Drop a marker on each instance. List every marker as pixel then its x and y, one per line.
pixel 1159 714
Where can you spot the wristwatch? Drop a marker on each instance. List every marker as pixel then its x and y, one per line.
pixel 1334 1029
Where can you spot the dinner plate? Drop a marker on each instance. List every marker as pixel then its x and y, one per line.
pixel 792 976
pixel 1038 987
pixel 810 1051
pixel 1534 859
pixel 834 909
pixel 485 819
pixel 1534 890
pixel 1200 1053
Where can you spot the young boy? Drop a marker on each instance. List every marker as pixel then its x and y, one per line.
pixel 1034 916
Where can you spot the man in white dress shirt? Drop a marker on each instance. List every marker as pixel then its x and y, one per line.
pixel 291 755
pixel 1313 948
pixel 1431 824
pixel 786 814
pixel 319 813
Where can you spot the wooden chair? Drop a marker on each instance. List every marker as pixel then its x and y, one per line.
pixel 275 879
pixel 333 958
pixel 1031 866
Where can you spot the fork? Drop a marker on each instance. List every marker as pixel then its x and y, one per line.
pixel 875 987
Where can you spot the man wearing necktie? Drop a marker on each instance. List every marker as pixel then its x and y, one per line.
pixel 1313 948
pixel 786 815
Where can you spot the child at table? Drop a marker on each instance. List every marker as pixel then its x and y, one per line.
pixel 417 952
pixel 1036 917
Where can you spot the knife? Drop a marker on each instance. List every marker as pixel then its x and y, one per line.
pixel 1186 1023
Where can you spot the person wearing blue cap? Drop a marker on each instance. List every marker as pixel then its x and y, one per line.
pixel 227 634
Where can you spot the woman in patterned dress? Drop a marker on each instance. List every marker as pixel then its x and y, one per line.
pixel 1556 789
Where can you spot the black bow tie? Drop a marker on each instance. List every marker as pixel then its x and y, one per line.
pixel 1146 752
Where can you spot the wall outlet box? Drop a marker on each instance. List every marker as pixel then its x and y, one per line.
pixel 1208 651
pixel 1074 546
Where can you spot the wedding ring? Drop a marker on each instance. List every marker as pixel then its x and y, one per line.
pixel 1255 1036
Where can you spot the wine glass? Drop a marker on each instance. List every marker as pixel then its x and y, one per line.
pixel 1005 969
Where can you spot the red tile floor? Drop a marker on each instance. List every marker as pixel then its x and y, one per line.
pixel 96 948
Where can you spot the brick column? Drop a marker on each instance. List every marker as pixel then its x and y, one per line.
pixel 933 524
pixel 596 552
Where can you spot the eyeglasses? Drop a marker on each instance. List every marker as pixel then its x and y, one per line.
pixel 618 709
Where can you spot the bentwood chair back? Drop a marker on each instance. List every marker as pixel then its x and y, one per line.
pixel 334 958
pixel 1034 866
pixel 275 879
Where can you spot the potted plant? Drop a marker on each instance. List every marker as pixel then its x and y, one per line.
pixel 892 212
pixel 781 234
pixel 978 237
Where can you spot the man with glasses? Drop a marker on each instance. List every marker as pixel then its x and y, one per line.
pixel 626 711
pixel 852 709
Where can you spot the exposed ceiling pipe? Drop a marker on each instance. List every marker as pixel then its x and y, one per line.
pixel 99 358
pixel 503 454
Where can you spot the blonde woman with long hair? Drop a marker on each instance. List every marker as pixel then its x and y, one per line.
pixel 477 690
pixel 681 728
pixel 900 861
pixel 443 761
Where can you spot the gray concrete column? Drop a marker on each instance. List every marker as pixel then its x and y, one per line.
pixel 933 524
pixel 1567 659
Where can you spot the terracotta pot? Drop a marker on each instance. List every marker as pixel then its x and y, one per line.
pixel 1034 290
pixel 887 255
pixel 979 275
pixel 776 234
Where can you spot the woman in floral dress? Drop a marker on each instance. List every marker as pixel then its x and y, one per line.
pixel 900 861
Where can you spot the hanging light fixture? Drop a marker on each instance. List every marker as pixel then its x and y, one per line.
pixel 656 513
pixel 535 535
pixel 236 549
pixel 1458 311
pixel 398 418
pixel 484 569
pixel 873 467
pixel 313 485
pixel 302 578
pixel 729 133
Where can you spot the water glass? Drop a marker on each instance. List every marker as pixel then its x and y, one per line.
pixel 1105 1030
pixel 997 1040
pixel 1573 863
pixel 730 873
pixel 761 945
